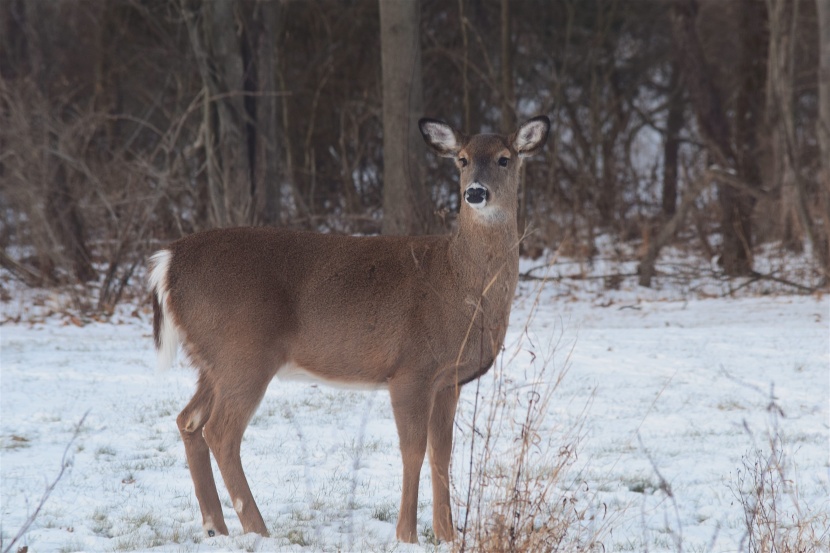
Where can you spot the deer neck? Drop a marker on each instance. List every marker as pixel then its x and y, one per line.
pixel 484 249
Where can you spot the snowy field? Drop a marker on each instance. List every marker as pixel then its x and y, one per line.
pixel 672 385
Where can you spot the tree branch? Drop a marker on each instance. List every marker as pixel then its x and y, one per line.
pixel 49 489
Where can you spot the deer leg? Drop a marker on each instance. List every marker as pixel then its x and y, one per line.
pixel 440 449
pixel 410 405
pixel 191 421
pixel 223 433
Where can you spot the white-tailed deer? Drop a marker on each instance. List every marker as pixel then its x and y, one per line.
pixel 421 316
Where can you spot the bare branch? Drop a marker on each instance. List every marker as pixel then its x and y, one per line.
pixel 65 463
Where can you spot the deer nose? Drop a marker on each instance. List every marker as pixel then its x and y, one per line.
pixel 476 195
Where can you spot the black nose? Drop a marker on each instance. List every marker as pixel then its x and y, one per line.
pixel 476 194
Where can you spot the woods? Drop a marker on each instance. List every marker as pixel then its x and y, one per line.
pixel 125 124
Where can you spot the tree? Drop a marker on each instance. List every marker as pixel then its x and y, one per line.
pixel 234 46
pixel 130 122
pixel 736 202
pixel 407 206
pixel 65 227
pixel 671 144
pixel 823 123
pixel 267 160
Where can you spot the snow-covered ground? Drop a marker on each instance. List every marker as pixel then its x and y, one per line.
pixel 670 384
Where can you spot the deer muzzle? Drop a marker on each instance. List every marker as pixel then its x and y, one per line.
pixel 476 195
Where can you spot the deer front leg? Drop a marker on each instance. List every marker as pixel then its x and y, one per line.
pixel 410 405
pixel 440 449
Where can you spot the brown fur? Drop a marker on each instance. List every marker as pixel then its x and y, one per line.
pixel 419 315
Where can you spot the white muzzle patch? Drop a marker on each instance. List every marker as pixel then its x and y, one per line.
pixel 476 195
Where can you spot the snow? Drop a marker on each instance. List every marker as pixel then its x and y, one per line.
pixel 669 384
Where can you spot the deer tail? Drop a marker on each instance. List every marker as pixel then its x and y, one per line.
pixel 165 333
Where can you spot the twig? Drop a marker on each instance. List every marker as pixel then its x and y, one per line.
pixel 526 276
pixel 647 266
pixel 725 177
pixel 786 282
pixel 49 489
pixel 465 525
pixel 749 281
pixel 665 487
pixel 30 277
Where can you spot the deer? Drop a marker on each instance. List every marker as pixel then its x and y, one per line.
pixel 419 316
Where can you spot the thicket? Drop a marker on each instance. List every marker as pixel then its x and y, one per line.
pixel 128 123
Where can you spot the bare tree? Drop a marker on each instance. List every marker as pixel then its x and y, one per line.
pixel 671 144
pixel 799 223
pixel 65 221
pixel 780 119
pixel 130 122
pixel 212 28
pixel 823 121
pixel 508 100
pixel 735 202
pixel 407 207
pixel 265 31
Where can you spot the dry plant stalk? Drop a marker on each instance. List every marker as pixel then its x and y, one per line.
pixel 519 497
pixel 775 517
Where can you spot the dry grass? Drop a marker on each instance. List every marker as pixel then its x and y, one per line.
pixel 775 517
pixel 520 496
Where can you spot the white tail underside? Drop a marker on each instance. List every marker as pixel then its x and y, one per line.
pixel 168 333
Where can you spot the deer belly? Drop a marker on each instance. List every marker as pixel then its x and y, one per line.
pixel 295 373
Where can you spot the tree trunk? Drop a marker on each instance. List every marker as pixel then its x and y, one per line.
pixel 703 94
pixel 67 228
pixel 407 208
pixel 646 268
pixel 748 122
pixel 465 66
pixel 14 40
pixel 823 127
pixel 68 225
pixel 268 154
pixel 671 146
pixel 796 223
pixel 212 28
pixel 736 205
pixel 508 100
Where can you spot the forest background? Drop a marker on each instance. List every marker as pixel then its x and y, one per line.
pixel 701 124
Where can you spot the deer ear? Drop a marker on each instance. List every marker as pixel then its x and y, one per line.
pixel 442 138
pixel 531 136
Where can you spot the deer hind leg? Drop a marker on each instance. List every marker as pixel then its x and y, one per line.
pixel 440 449
pixel 191 421
pixel 234 404
pixel 410 405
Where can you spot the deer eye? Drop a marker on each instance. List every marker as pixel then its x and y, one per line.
pixel 503 161
pixel 462 161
